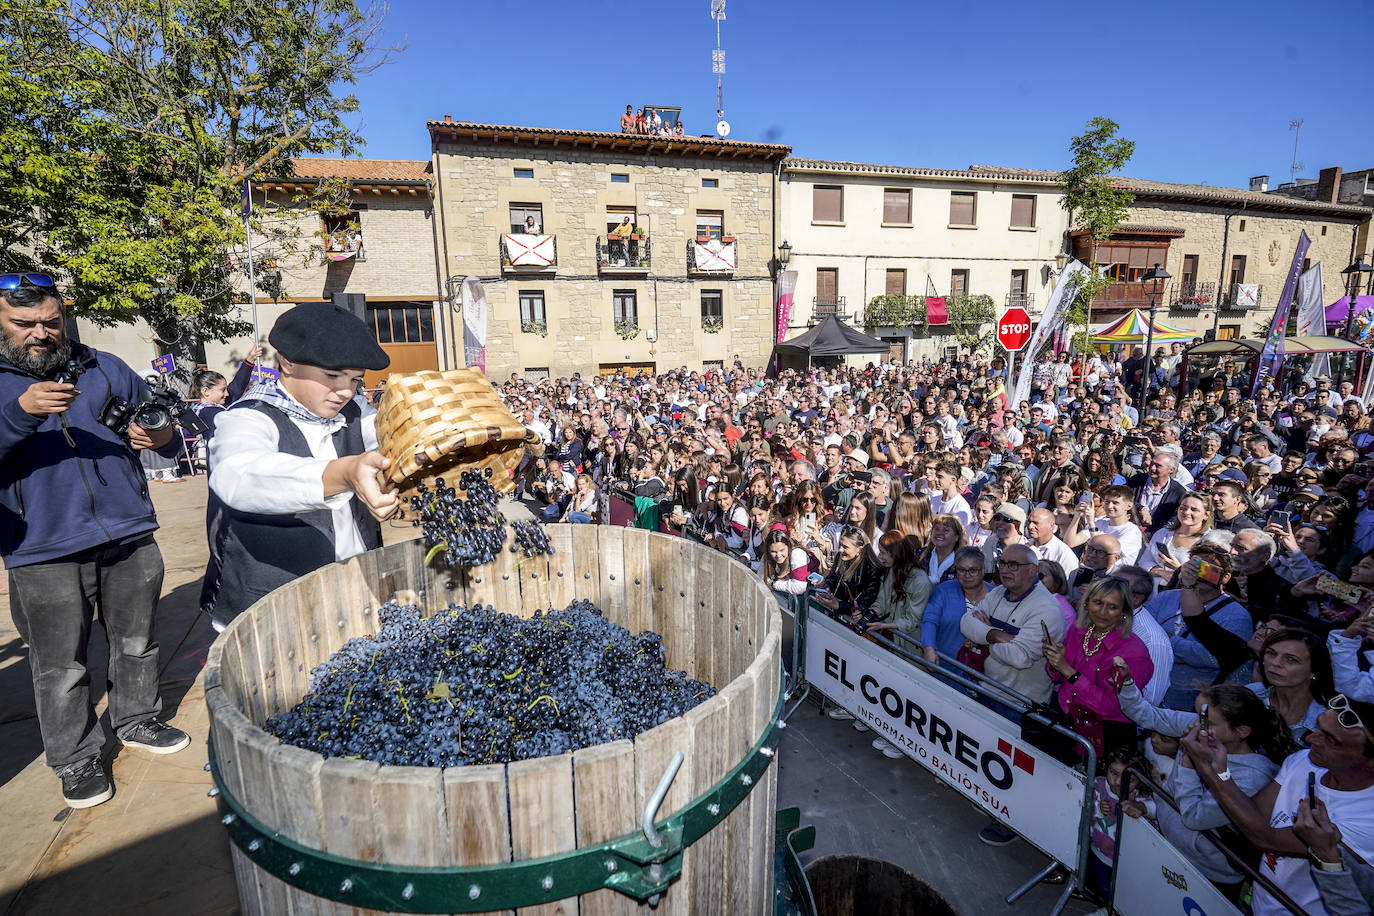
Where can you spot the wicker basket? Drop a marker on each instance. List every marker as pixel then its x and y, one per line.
pixel 431 423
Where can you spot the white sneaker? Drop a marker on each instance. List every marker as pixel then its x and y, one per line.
pixel 859 726
pixel 839 713
pixel 891 751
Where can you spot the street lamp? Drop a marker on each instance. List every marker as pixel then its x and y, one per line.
pixel 1155 280
pixel 784 255
pixel 1357 275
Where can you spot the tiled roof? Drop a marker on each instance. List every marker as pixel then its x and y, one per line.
pixel 1148 229
pixel 604 138
pixel 363 169
pixel 1205 194
pixel 973 171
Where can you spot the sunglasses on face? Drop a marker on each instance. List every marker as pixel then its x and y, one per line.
pixel 1347 717
pixel 1012 564
pixel 14 281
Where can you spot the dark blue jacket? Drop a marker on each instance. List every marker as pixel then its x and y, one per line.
pixel 67 482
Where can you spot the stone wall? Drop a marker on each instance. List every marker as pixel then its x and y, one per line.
pixel 476 187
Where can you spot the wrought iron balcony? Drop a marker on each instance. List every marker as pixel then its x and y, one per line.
pixel 823 309
pixel 1242 297
pixel 1025 300
pixel 621 255
pixel 712 256
pixel 1194 295
pixel 1124 296
pixel 522 253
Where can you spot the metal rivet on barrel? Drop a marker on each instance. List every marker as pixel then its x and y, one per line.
pixel 505 576
pixel 345 885
pixel 660 588
pixel 682 594
pixel 636 581
pixel 228 819
pixel 714 809
pixel 479 580
pixel 474 892
pixel 408 891
pixel 291 654
pixel 703 603
pixel 341 627
pixel 255 846
pixel 746 779
pixel 314 637
pixel 612 577
pixel 547 883
pixel 213 793
pixel 207 766
pixel 294 870
pixel 782 723
pixel 560 574
pixel 611 866
pixel 367 611
pixel 766 751
pixel 534 575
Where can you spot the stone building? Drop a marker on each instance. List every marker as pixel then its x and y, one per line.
pixel 1228 251
pixel 533 212
pixel 861 231
pixel 382 247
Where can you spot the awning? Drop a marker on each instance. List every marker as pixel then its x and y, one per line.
pixel 1134 327
pixel 1336 312
pixel 832 337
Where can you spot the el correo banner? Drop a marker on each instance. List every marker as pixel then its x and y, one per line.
pixel 966 745
pixel 1153 877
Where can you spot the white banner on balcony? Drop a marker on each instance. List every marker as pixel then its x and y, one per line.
pixel 1065 288
pixel 1246 295
pixel 474 324
pixel 530 250
pixel 714 254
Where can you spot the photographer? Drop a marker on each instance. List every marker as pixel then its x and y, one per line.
pixel 78 535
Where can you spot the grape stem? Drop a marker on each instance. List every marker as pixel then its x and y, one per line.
pixel 539 699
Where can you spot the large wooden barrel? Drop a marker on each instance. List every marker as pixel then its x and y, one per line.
pixel 474 832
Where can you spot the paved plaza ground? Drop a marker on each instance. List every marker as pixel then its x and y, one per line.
pixel 157 847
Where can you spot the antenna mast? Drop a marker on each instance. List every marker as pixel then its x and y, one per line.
pixel 1296 127
pixel 718 68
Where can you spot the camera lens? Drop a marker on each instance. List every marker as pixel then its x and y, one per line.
pixel 152 417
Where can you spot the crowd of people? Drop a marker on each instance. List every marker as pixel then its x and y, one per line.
pixel 650 122
pixel 1187 584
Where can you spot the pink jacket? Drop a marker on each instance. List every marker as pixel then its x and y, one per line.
pixel 1092 689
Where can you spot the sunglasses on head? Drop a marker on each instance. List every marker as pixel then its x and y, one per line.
pixel 14 281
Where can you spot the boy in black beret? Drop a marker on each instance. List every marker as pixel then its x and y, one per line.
pixel 294 464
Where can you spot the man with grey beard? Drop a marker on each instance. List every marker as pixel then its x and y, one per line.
pixel 76 536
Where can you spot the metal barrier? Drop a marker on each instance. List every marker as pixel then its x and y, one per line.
pixel 964 744
pixel 1159 874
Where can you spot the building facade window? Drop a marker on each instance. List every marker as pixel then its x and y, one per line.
pixel 1023 211
pixel 827 204
pixel 344 232
pixel 712 308
pixel 1130 263
pixel 532 307
pixel 1189 270
pixel 1237 269
pixel 526 218
pixel 897 206
pixel 710 224
pixel 616 216
pixel 619 178
pixel 624 307
pixel 827 285
pixel 402 322
pixel 963 208
pixel 958 282
pixel 1019 280
pixel 896 282
pixel 524 173
pixel 536 372
pixel 710 182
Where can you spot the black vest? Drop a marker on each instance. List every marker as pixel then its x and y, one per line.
pixel 253 554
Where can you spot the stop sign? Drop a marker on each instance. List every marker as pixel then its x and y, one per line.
pixel 1014 329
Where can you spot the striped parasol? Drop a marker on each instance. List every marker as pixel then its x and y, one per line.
pixel 1134 327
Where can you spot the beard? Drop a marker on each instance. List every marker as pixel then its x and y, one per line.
pixel 38 361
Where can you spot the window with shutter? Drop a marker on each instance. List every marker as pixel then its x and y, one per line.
pixel 897 206
pixel 827 285
pixel 896 283
pixel 1023 211
pixel 963 208
pixel 1189 269
pixel 958 282
pixel 827 204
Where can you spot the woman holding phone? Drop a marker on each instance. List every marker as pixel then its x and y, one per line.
pixel 1169 548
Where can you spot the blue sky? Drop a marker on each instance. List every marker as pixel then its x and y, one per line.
pixel 1206 88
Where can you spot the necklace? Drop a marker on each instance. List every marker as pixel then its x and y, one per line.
pixel 1089 636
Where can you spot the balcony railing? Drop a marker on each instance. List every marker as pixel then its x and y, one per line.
pixel 522 253
pixel 823 309
pixel 617 254
pixel 1025 300
pixel 712 256
pixel 1124 296
pixel 1194 295
pixel 1242 296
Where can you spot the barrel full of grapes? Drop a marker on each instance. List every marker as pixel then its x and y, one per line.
pixel 618 827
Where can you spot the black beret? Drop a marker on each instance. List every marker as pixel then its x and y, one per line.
pixel 325 335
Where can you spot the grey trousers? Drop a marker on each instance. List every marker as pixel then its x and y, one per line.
pixel 53 604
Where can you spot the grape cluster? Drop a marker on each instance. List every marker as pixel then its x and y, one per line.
pixel 465 525
pixel 473 685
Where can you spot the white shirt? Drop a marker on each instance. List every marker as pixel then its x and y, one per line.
pixel 1352 812
pixel 1056 550
pixel 1161 654
pixel 250 475
pixel 956 506
pixel 1129 536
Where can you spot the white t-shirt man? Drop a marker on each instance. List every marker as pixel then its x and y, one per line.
pixel 1352 812
pixel 955 505
pixel 1129 536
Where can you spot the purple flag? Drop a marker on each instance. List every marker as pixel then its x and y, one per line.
pixel 1271 357
pixel 247 198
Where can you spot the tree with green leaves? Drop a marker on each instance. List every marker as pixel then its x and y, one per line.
pixel 128 128
pixel 1096 205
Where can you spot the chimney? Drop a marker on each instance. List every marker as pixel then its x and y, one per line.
pixel 1259 183
pixel 1329 185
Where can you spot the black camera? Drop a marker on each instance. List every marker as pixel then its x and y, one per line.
pixel 71 370
pixel 161 408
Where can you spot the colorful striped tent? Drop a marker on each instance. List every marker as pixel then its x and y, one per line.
pixel 1134 327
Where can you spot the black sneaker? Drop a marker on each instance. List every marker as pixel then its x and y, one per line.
pixel 155 737
pixel 994 834
pixel 85 783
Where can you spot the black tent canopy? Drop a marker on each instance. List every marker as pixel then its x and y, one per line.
pixel 832 337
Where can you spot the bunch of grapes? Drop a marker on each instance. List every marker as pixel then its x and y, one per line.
pixel 465 525
pixel 472 685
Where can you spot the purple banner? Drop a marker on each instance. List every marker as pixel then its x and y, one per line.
pixel 1271 357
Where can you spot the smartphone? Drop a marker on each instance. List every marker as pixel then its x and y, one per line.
pixel 1311 790
pixel 1281 518
pixel 1086 499
pixel 1162 549
pixel 1208 573
pixel 815 579
pixel 1046 631
pixel 810 518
